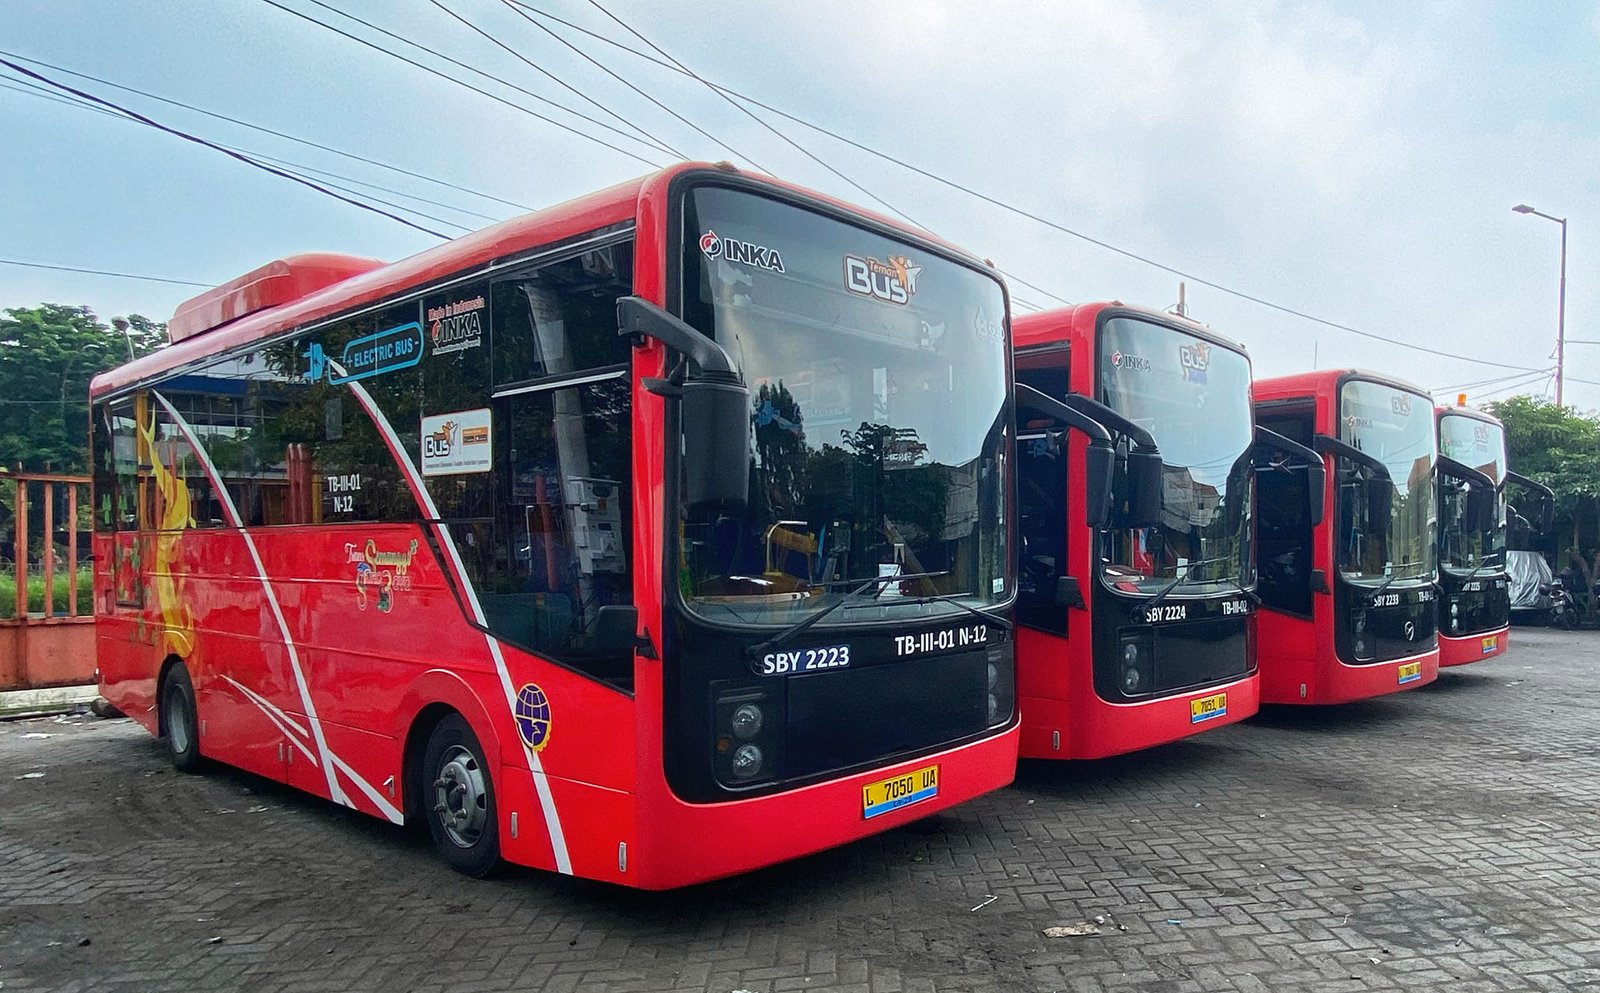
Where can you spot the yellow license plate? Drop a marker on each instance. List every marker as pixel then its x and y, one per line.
pixel 1206 708
pixel 899 791
pixel 1490 644
pixel 1410 672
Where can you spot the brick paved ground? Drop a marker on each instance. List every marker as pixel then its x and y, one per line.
pixel 1447 838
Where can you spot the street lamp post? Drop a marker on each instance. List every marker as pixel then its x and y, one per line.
pixel 1561 304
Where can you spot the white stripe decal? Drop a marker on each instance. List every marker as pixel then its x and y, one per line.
pixel 377 799
pixel 270 707
pixel 541 782
pixel 276 716
pixel 335 791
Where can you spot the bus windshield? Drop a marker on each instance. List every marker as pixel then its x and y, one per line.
pixel 877 375
pixel 1395 427
pixel 1481 445
pixel 1194 398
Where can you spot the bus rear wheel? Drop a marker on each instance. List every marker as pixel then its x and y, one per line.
pixel 179 720
pixel 458 796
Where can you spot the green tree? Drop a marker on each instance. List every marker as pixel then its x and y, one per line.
pixel 1560 447
pixel 48 354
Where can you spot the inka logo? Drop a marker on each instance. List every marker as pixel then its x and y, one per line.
pixel 1195 359
pixel 742 252
pixel 456 326
pixel 894 281
pixel 1132 363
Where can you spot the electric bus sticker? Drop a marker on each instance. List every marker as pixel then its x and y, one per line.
pixel 533 716
pixel 1491 644
pixel 743 252
pixel 457 443
pixel 804 660
pixel 370 355
pixel 894 281
pixel 1205 708
pixel 1410 672
pixel 899 791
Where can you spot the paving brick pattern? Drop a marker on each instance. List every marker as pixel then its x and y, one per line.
pixel 1447 838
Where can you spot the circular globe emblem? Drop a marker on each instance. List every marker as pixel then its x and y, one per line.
pixel 711 244
pixel 533 716
pixel 1116 359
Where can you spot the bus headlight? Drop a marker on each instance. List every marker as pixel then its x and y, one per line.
pixel 1455 608
pixel 747 735
pixel 1136 666
pixel 747 721
pixel 1000 678
pixel 746 762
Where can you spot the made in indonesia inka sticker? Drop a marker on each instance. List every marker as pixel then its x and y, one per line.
pixel 532 710
pixel 380 572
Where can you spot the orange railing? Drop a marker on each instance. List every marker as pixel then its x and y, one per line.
pixel 46 615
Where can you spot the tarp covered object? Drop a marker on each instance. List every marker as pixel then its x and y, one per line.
pixel 1528 571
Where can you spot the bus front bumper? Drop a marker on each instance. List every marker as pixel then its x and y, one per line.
pixel 1473 647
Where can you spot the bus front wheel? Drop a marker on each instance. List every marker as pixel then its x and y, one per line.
pixel 179 720
pixel 458 795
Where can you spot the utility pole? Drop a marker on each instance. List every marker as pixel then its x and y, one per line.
pixel 1561 298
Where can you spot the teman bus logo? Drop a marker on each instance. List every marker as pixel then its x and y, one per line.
pixel 743 252
pixel 894 281
pixel 1195 359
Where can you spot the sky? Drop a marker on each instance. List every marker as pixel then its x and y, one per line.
pixel 1356 162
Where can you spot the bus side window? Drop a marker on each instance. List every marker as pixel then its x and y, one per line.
pixel 546 533
pixel 1283 533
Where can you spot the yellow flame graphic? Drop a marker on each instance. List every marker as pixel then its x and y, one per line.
pixel 174 514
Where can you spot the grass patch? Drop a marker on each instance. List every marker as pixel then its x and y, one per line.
pixel 61 594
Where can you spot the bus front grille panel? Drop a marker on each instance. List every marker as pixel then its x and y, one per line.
pixel 1199 653
pixel 851 717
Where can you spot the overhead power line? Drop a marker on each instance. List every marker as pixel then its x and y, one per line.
pixel 655 140
pixel 463 83
pixel 265 130
pixel 297 168
pixel 1013 208
pixel 854 184
pixel 102 272
pixel 247 160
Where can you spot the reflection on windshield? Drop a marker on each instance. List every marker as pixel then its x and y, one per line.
pixel 1396 428
pixel 878 385
pixel 1194 398
pixel 1481 445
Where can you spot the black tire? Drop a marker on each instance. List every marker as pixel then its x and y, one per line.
pixel 180 720
pixel 457 798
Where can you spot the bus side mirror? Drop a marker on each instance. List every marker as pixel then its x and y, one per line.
pixel 713 408
pixel 1316 492
pixel 1068 593
pixel 1380 501
pixel 1144 488
pixel 1480 509
pixel 1099 459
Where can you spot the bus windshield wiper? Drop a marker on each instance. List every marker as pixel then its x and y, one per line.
pixel 994 619
pixel 1178 581
pixel 1249 594
pixel 805 623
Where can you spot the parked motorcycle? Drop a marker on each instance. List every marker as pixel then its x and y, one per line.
pixel 1564 612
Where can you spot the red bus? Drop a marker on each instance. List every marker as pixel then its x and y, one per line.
pixel 1474 521
pixel 1348 604
pixel 650 538
pixel 1134 476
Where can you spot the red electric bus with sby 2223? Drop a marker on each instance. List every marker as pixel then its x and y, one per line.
pixel 651 538
pixel 1349 605
pixel 1135 460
